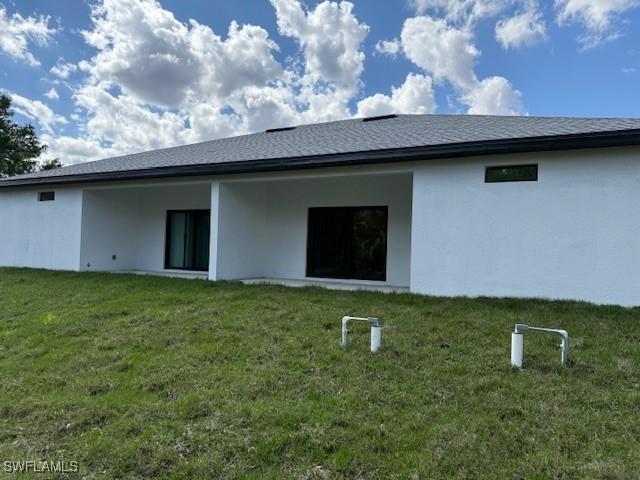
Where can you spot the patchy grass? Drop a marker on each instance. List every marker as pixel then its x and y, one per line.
pixel 145 377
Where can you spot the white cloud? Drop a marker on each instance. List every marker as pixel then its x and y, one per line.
pixel 71 150
pixel 63 69
pixel 523 29
pixel 415 95
pixel 460 11
pixel 126 124
pixel 494 96
pixel 440 49
pixel 16 32
pixel 243 60
pixel 330 36
pixel 266 107
pixel 36 110
pixel 599 17
pixel 389 47
pixel 155 58
pixel 187 84
pixel 449 54
pixel 155 81
pixel 331 39
pixel 52 94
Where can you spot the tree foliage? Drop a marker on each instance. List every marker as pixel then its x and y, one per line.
pixel 49 164
pixel 19 145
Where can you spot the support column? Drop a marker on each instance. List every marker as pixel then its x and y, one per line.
pixel 418 240
pixel 213 235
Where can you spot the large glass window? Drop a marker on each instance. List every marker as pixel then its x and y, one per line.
pixel 347 242
pixel 187 244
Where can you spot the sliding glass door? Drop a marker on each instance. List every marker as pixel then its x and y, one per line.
pixel 187 240
pixel 347 242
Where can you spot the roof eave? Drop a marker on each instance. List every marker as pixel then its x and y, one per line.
pixel 454 150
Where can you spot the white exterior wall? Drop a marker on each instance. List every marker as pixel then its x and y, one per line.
pixel 575 233
pixel 241 223
pixel 262 227
pixel 40 234
pixel 131 224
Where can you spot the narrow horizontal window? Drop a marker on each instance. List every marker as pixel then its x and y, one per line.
pixel 46 196
pixel 511 173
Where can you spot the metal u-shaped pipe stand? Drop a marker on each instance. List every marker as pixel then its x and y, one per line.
pixel 517 343
pixel 376 331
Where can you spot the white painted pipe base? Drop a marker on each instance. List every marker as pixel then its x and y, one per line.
pixel 517 349
pixel 376 334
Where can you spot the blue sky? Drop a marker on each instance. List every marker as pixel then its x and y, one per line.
pixel 107 77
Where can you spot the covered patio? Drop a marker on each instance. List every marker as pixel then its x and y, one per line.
pixel 265 230
pixel 346 232
pixel 126 228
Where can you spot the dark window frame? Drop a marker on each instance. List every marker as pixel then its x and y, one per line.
pixel 167 240
pixel 488 178
pixel 309 271
pixel 49 196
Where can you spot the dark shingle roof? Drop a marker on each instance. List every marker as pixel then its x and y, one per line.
pixel 350 141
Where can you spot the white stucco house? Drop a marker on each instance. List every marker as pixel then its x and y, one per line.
pixel 432 204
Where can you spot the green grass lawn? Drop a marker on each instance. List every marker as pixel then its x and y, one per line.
pixel 146 377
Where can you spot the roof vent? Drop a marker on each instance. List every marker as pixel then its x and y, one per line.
pixel 281 129
pixel 379 117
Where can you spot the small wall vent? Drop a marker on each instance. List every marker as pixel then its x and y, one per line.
pixel 379 117
pixel 46 196
pixel 281 129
